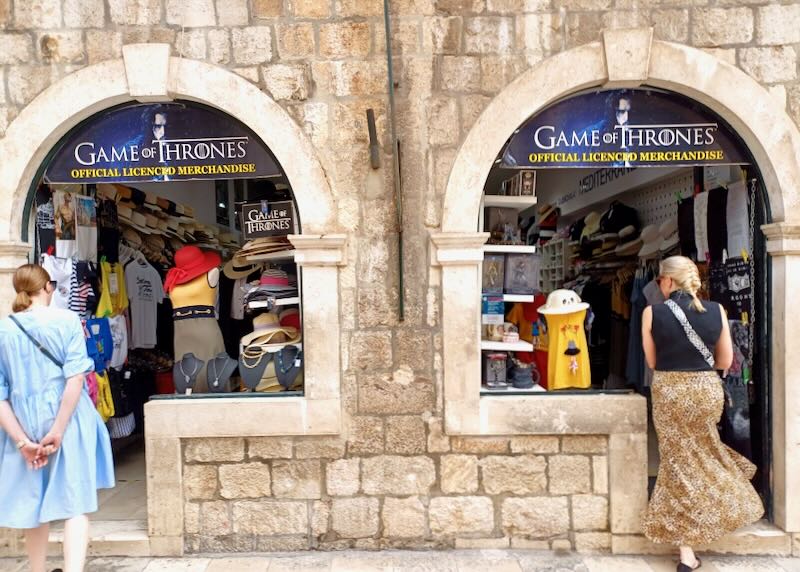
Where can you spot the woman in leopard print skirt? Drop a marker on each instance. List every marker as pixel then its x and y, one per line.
pixel 703 488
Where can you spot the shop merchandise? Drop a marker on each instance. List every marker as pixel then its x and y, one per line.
pixel 60 270
pixel 145 292
pixel 737 220
pixel 568 353
pixel 686 228
pixel 113 294
pixel 108 232
pixel 219 371
pixel 99 342
pixel 192 287
pixel 185 373
pixel 701 226
pixel 717 225
pixel 64 219
pixel 45 222
pixel 85 228
pixel 119 337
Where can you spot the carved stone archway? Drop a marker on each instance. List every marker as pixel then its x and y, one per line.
pixel 624 58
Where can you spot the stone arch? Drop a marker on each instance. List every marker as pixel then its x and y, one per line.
pixel 628 58
pixel 148 73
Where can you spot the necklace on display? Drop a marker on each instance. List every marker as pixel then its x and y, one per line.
pixel 188 377
pixel 216 371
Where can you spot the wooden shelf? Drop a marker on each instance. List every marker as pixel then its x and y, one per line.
pixel 510 248
pixel 280 255
pixel 519 346
pixel 258 304
pixel 519 203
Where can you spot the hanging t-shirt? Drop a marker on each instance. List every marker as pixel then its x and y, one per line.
pixel 45 228
pixel 701 226
pixel 145 293
pixel 61 270
pixel 99 342
pixel 568 369
pixel 85 228
pixel 119 339
pixel 64 219
pixel 113 294
pixel 738 220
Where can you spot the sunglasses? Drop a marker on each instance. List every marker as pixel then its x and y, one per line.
pixel 53 285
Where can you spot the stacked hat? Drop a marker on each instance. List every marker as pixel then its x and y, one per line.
pixel 651 242
pixel 267 245
pixel 629 242
pixel 563 302
pixel 669 234
pixel 268 331
pixel 617 217
pixel 132 238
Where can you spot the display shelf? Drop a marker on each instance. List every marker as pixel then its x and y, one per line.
pixel 274 348
pixel 510 248
pixel 511 390
pixel 259 304
pixel 517 298
pixel 519 203
pixel 521 346
pixel 280 255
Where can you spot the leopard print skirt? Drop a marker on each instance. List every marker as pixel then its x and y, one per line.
pixel 703 488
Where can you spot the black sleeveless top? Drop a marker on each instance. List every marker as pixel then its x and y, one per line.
pixel 674 351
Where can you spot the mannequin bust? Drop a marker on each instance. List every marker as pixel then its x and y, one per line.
pixel 218 373
pixel 184 373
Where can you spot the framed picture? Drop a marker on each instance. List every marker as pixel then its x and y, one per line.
pixel 493 267
pixel 528 187
pixel 521 274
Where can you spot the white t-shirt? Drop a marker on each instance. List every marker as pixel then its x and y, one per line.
pixel 145 293
pixel 60 270
pixel 119 336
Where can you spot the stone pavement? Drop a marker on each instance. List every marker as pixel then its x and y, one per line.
pixel 414 561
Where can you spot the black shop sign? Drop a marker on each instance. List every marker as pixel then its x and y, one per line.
pixel 265 218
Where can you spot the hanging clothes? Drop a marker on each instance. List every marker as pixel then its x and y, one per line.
pixel 635 366
pixel 108 234
pixel 145 292
pixel 85 228
pixel 61 270
pixel 45 224
pixel 566 333
pixel 119 336
pixel 64 219
pixel 717 225
pixel 738 220
pixel 113 295
pixel 701 226
pixel 686 228
pixel 99 343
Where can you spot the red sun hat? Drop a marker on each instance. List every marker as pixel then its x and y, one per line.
pixel 190 262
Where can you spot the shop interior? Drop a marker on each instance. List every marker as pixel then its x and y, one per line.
pixel 596 236
pixel 175 301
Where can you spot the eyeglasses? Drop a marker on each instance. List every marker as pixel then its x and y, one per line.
pixel 53 285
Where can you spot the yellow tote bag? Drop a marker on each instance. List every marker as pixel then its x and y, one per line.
pixel 105 403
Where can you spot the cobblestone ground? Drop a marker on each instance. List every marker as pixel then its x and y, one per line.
pixel 451 561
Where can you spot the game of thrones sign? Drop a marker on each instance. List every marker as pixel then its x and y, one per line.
pixel 265 218
pixel 160 142
pixel 623 128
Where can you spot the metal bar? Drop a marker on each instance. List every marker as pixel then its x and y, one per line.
pixel 395 157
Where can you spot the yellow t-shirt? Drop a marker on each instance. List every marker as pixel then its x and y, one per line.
pixel 563 329
pixel 113 295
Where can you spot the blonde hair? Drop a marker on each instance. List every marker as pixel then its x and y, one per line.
pixel 28 280
pixel 685 275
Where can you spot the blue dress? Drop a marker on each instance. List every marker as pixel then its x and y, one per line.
pixel 34 385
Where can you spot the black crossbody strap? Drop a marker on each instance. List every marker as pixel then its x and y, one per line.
pixel 42 349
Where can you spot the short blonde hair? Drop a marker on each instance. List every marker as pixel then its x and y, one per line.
pixel 685 274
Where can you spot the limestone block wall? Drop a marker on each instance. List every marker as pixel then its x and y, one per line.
pixel 392 478
pixel 403 487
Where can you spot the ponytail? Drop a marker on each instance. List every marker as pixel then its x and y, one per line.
pixel 21 302
pixel 28 280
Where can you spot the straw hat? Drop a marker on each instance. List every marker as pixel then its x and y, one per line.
pixel 652 241
pixel 268 332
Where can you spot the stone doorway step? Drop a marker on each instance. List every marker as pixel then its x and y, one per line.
pixel 109 538
pixel 760 539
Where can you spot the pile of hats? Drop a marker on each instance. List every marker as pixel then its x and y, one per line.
pixel 611 234
pixel 271 358
pixel 150 214
pixel 659 239
pixel 274 283
pixel 266 245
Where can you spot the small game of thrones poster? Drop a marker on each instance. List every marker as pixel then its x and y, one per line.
pixel 264 219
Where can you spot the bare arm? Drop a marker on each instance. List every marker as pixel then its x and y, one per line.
pixel 723 351
pixel 648 344
pixel 72 393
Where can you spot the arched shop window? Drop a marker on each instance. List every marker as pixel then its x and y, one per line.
pixel 166 227
pixel 583 202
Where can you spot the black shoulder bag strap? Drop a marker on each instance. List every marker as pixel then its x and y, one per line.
pixel 42 349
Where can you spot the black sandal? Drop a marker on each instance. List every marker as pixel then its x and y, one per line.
pixel 686 568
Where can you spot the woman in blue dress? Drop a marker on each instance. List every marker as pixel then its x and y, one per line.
pixel 55 451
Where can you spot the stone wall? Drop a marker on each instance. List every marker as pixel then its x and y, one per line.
pixel 393 479
pixel 396 490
